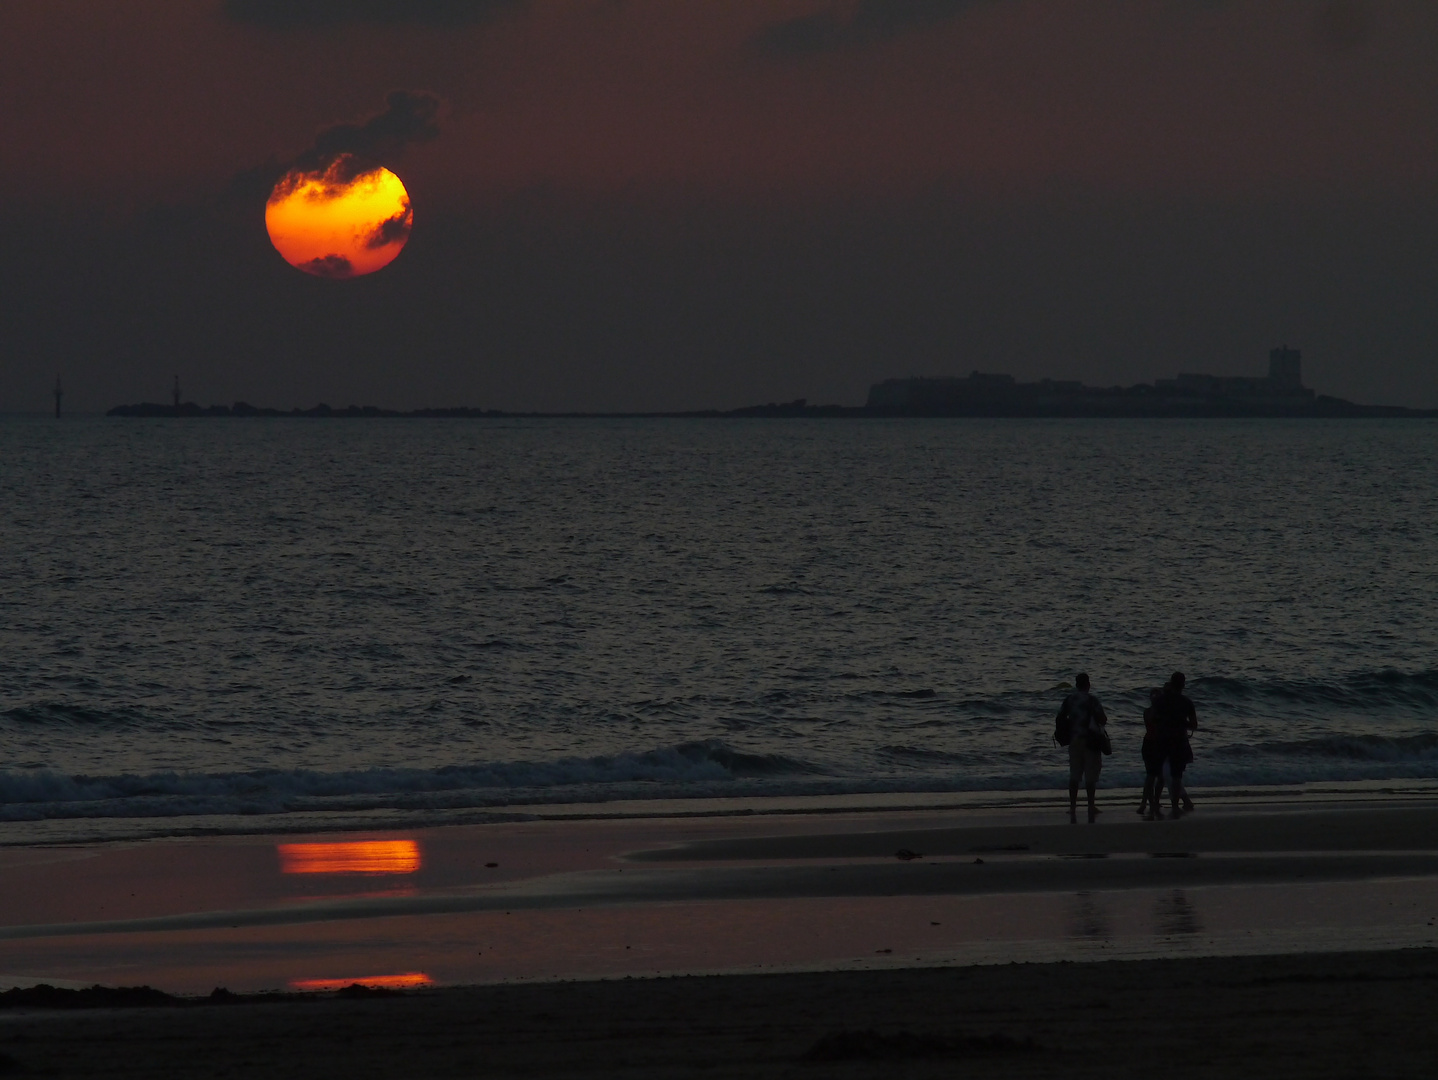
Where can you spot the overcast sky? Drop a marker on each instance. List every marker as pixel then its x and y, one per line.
pixel 655 204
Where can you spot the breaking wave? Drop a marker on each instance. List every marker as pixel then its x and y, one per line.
pixel 1361 692
pixel 911 736
pixel 710 766
pixel 1357 748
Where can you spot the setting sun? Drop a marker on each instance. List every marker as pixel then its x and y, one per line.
pixel 343 222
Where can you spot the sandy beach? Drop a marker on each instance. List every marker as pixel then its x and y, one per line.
pixel 1292 935
pixel 1338 1015
pixel 748 888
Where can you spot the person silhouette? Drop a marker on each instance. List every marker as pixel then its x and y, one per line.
pixel 1086 719
pixel 1152 752
pixel 1177 720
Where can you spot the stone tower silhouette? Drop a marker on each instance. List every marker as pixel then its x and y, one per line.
pixel 1285 368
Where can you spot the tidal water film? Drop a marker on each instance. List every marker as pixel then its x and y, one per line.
pixel 439 619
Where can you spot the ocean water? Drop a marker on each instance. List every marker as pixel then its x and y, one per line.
pixel 243 617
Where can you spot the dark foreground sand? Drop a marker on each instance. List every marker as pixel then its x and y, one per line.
pixel 1334 1015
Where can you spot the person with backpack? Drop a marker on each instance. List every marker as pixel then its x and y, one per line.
pixel 1081 725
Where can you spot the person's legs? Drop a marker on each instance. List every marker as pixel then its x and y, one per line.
pixel 1152 780
pixel 1153 788
pixel 1093 762
pixel 1183 791
pixel 1165 779
pixel 1077 756
pixel 1178 791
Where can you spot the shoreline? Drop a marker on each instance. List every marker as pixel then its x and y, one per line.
pixel 1044 801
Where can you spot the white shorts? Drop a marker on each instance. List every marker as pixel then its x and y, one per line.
pixel 1084 764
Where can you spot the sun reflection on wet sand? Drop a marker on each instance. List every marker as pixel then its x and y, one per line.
pixel 351 857
pixel 407 981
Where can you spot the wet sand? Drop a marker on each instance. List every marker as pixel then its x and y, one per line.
pixel 787 891
pixel 1336 1015
pixel 1267 937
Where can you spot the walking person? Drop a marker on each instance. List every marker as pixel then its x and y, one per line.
pixel 1177 721
pixel 1082 717
pixel 1153 756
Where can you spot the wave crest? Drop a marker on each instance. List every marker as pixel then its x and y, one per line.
pixel 1399 748
pixel 1359 691
pixel 40 794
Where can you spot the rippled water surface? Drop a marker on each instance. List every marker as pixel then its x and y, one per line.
pixel 239 615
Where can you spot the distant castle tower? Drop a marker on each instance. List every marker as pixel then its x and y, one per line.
pixel 1284 368
pixel 176 393
pixel 59 393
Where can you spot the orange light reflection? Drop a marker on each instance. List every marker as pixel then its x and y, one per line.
pixel 351 857
pixel 374 982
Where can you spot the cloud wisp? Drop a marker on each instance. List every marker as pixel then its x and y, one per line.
pixel 298 14
pixel 343 153
pixel 867 22
pixel 392 230
pixel 408 117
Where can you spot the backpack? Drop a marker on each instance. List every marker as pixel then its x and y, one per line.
pixel 1064 724
pixel 1077 708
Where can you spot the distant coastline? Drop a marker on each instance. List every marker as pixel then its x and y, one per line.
pixel 189 409
pixel 1281 393
pixel 1097 409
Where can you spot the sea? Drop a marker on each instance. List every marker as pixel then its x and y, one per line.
pixel 270 623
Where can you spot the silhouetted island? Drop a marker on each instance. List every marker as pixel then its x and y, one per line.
pixel 1280 393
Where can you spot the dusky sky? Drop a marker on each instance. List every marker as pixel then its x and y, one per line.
pixel 656 204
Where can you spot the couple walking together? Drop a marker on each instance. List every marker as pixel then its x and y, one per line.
pixel 1168 722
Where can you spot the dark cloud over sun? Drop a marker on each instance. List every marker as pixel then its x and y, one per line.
pixel 335 211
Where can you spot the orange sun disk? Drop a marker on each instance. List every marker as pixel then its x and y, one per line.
pixel 339 222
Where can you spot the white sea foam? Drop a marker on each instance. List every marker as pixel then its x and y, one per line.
pixel 691 771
